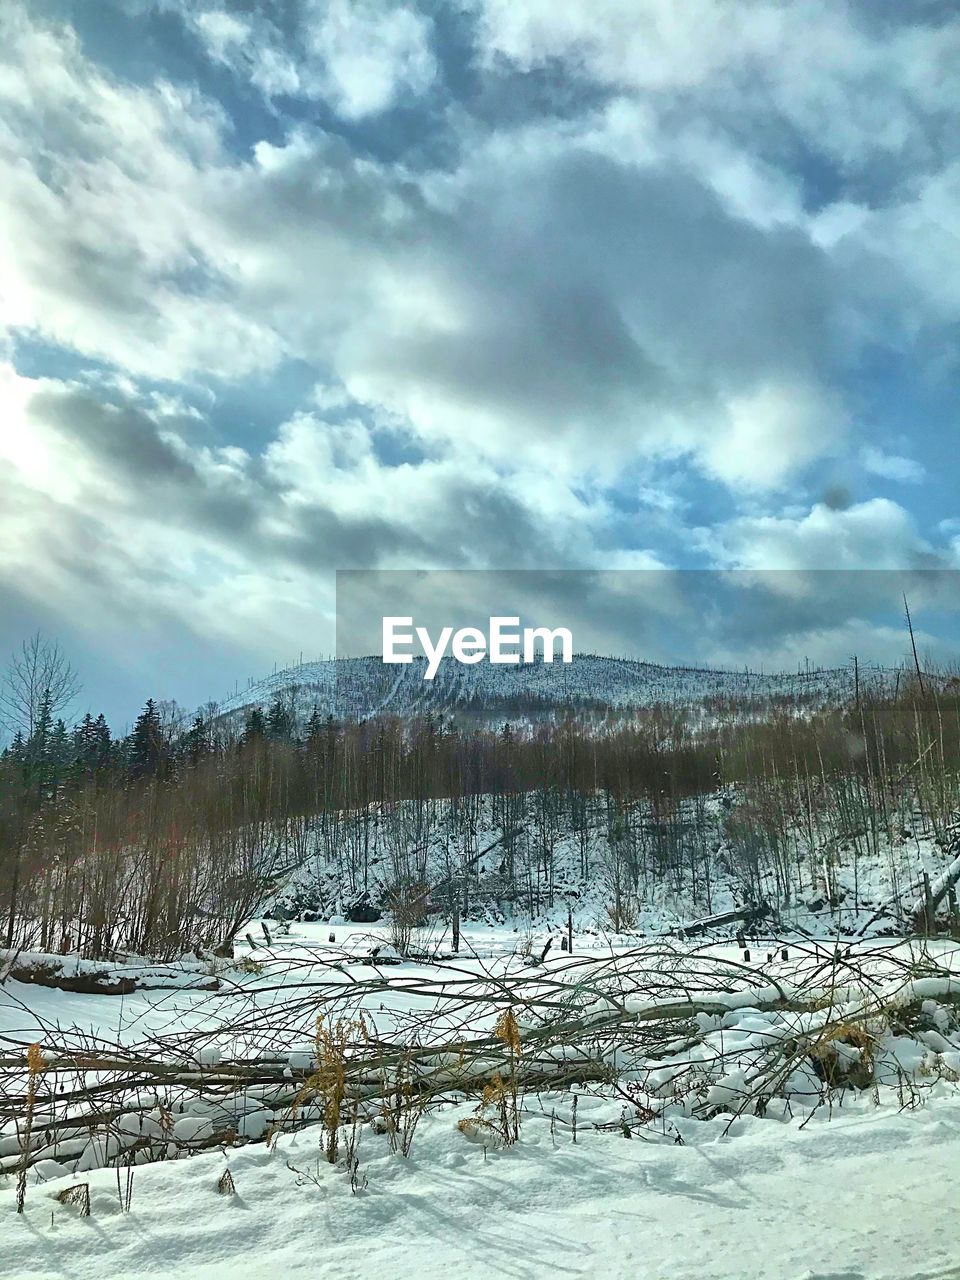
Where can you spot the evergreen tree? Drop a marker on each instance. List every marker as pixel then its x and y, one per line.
pixel 82 740
pixel 83 734
pixel 255 728
pixel 36 755
pixel 196 743
pixel 315 725
pixel 92 746
pixel 102 742
pixel 60 755
pixel 280 724
pixel 146 749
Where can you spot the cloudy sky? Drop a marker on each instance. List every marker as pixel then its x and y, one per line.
pixel 288 286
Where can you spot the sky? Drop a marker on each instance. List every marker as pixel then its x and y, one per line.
pixel 293 286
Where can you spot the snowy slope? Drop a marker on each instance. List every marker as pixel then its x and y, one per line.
pixel 704 874
pixel 363 687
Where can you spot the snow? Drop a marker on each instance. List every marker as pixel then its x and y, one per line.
pixel 862 1195
pixel 938 885
pixel 187 972
pixel 790 1189
pixel 709 875
pixel 365 687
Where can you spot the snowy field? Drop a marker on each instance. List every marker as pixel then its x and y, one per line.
pixel 680 1163
pixel 866 1195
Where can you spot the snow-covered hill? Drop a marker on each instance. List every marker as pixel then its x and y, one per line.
pixel 364 687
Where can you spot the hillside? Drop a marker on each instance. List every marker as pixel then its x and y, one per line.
pixel 592 686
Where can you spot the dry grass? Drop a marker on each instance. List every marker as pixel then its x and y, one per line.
pixel 837 1068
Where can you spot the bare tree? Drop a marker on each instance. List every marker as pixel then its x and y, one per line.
pixel 913 643
pixel 38 670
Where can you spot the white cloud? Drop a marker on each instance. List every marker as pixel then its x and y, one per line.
pixel 559 303
pixel 876 534
pixel 223 32
pixel 891 466
pixel 249 46
pixel 371 53
pixel 428 297
pixel 772 429
pixel 674 274
pixel 907 254
pixel 854 86
pixel 830 645
pixel 105 243
pixel 114 514
pixel 361 56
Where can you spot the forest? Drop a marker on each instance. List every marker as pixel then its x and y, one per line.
pixel 165 840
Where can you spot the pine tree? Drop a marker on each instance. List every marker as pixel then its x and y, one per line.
pixel 315 725
pixel 102 742
pixel 82 736
pixel 36 753
pixel 196 743
pixel 279 721
pixel 255 728
pixel 92 746
pixel 60 754
pixel 146 750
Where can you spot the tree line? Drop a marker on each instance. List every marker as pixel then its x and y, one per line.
pixel 168 838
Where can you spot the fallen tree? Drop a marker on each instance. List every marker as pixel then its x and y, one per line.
pixel 673 1031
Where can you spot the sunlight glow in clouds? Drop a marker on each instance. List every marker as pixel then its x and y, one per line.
pixel 367 283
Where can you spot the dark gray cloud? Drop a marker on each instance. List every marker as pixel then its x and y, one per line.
pixel 675 617
pixel 124 438
pixel 599 293
pixel 179 500
pixel 166 481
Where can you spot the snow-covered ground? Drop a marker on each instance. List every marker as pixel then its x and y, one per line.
pixel 865 1196
pixel 667 872
pixel 852 1189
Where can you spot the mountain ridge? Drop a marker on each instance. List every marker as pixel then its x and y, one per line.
pixel 592 684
